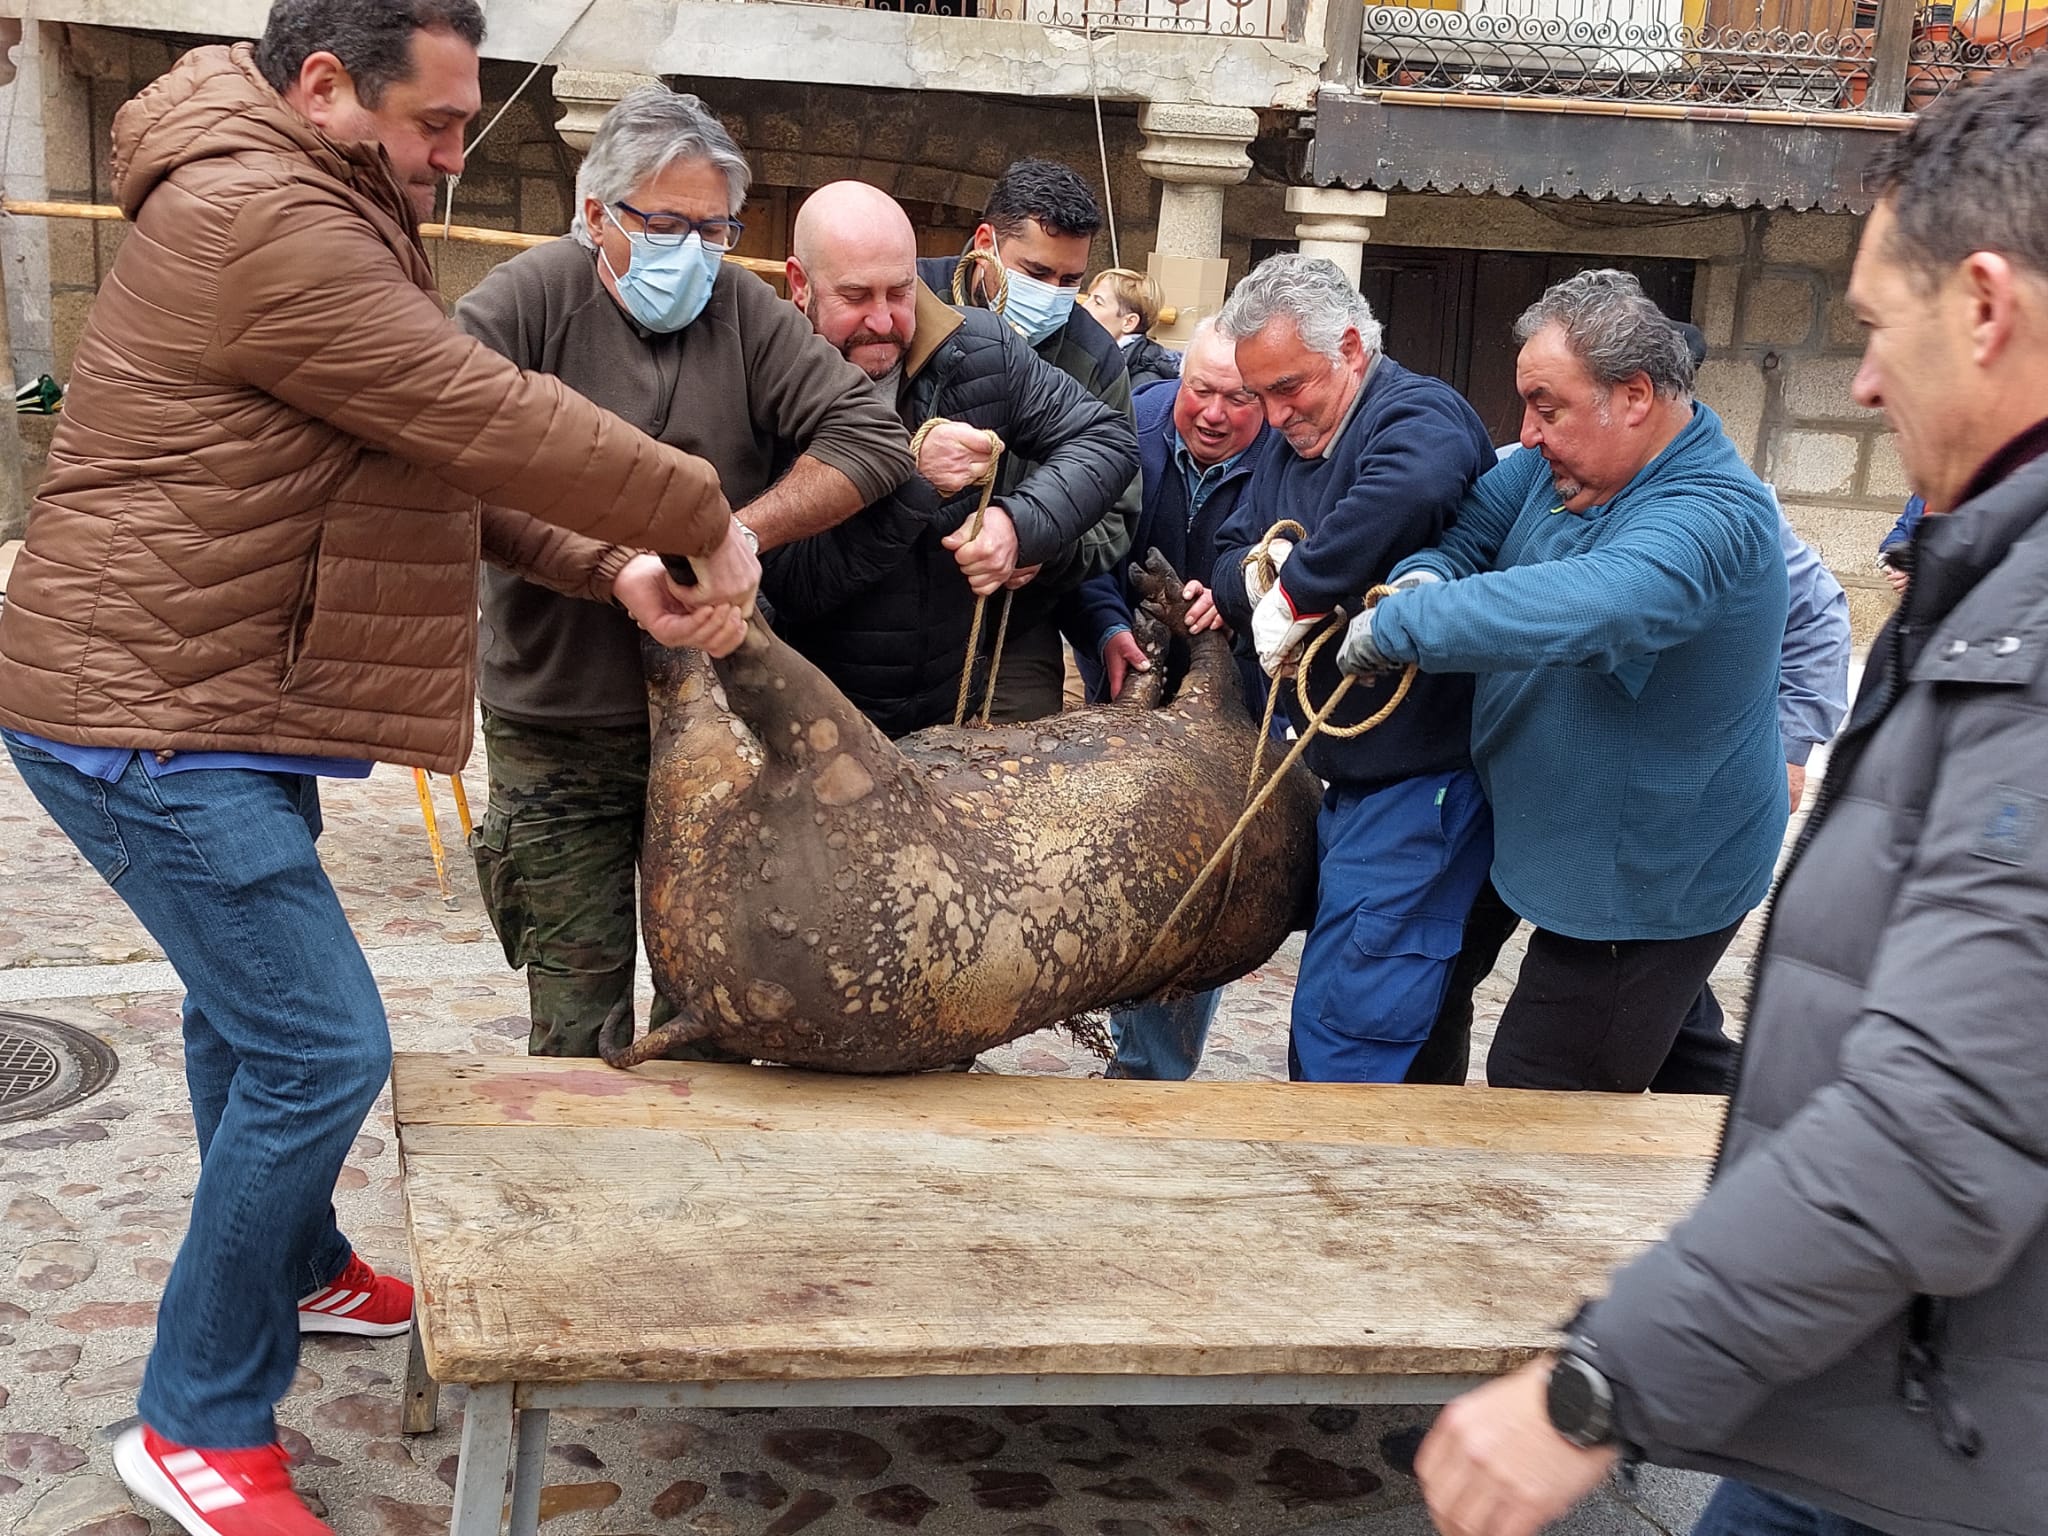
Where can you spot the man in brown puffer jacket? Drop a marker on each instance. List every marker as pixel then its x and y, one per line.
pixel 253 561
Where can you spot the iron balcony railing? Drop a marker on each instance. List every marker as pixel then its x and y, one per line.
pixel 1818 55
pixel 1226 18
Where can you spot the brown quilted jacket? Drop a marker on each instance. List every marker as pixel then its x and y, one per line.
pixel 260 525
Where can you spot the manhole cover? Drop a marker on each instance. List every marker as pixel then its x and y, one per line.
pixel 45 1066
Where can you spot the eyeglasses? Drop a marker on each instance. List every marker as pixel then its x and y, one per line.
pixel 668 229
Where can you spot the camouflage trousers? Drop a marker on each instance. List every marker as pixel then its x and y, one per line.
pixel 557 853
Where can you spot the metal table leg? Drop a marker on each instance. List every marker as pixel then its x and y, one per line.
pixel 485 1458
pixel 529 1470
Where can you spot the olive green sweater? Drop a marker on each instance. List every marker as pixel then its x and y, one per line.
pixel 747 385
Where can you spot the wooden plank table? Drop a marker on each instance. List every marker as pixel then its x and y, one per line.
pixel 698 1235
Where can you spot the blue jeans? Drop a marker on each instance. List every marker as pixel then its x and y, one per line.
pixel 1162 1041
pixel 1738 1509
pixel 286 1048
pixel 1396 871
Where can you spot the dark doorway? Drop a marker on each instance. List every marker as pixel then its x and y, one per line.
pixel 1451 313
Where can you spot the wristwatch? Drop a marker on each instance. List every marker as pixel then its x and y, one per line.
pixel 753 539
pixel 1580 1400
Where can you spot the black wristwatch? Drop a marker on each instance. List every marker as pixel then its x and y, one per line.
pixel 1580 1400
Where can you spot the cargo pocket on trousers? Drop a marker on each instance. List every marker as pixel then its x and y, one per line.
pixel 1395 967
pixel 497 877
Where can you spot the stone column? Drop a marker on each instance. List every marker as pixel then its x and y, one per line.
pixel 1194 153
pixel 1336 223
pixel 588 94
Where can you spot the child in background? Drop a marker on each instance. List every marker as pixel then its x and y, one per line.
pixel 1895 552
pixel 1127 305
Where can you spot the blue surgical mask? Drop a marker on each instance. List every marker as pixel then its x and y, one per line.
pixel 664 287
pixel 1035 308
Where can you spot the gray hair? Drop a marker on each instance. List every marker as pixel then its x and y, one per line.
pixel 1612 327
pixel 1312 292
pixel 650 129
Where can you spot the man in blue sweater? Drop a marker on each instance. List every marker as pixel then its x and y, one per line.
pixel 1813 696
pixel 1199 439
pixel 1375 461
pixel 1621 596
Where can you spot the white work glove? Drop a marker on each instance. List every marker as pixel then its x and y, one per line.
pixel 1277 629
pixel 1255 583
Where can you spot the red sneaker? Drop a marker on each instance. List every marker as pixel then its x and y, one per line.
pixel 214 1493
pixel 359 1301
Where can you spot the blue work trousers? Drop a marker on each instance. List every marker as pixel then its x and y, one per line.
pixel 1396 873
pixel 286 1048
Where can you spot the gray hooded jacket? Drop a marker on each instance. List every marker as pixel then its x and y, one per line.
pixel 1857 1313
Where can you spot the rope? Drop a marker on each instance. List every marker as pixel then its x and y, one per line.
pixel 968 258
pixel 988 489
pixel 448 203
pixel 1317 723
pixel 995 655
pixel 1102 145
pixel 1262 558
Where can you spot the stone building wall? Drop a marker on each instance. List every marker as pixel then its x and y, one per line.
pixel 1770 287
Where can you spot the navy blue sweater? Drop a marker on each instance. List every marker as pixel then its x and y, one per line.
pixel 1389 485
pixel 1102 605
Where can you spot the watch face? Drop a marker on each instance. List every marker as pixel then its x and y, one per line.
pixel 1571 1400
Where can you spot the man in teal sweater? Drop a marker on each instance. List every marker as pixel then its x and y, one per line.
pixel 1620 596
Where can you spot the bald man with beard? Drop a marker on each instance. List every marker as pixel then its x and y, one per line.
pixel 883 603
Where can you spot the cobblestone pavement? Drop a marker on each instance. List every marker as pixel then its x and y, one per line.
pixel 94 1205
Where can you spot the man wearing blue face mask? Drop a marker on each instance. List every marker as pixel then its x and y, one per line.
pixel 1039 223
pixel 639 311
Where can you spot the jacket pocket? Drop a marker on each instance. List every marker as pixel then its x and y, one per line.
pixel 497 877
pixel 302 612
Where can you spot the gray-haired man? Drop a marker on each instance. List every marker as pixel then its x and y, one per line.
pixel 1376 460
pixel 1621 596
pixel 637 310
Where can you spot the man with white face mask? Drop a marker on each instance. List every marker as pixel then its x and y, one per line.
pixel 638 310
pixel 1039 223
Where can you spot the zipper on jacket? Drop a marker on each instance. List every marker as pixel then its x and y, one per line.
pixel 1923 1381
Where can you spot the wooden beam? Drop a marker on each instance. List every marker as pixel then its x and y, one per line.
pixel 1889 56
pixel 1343 36
pixel 1663 111
pixel 461 234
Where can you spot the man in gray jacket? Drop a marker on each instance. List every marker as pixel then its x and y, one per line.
pixel 1850 1326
